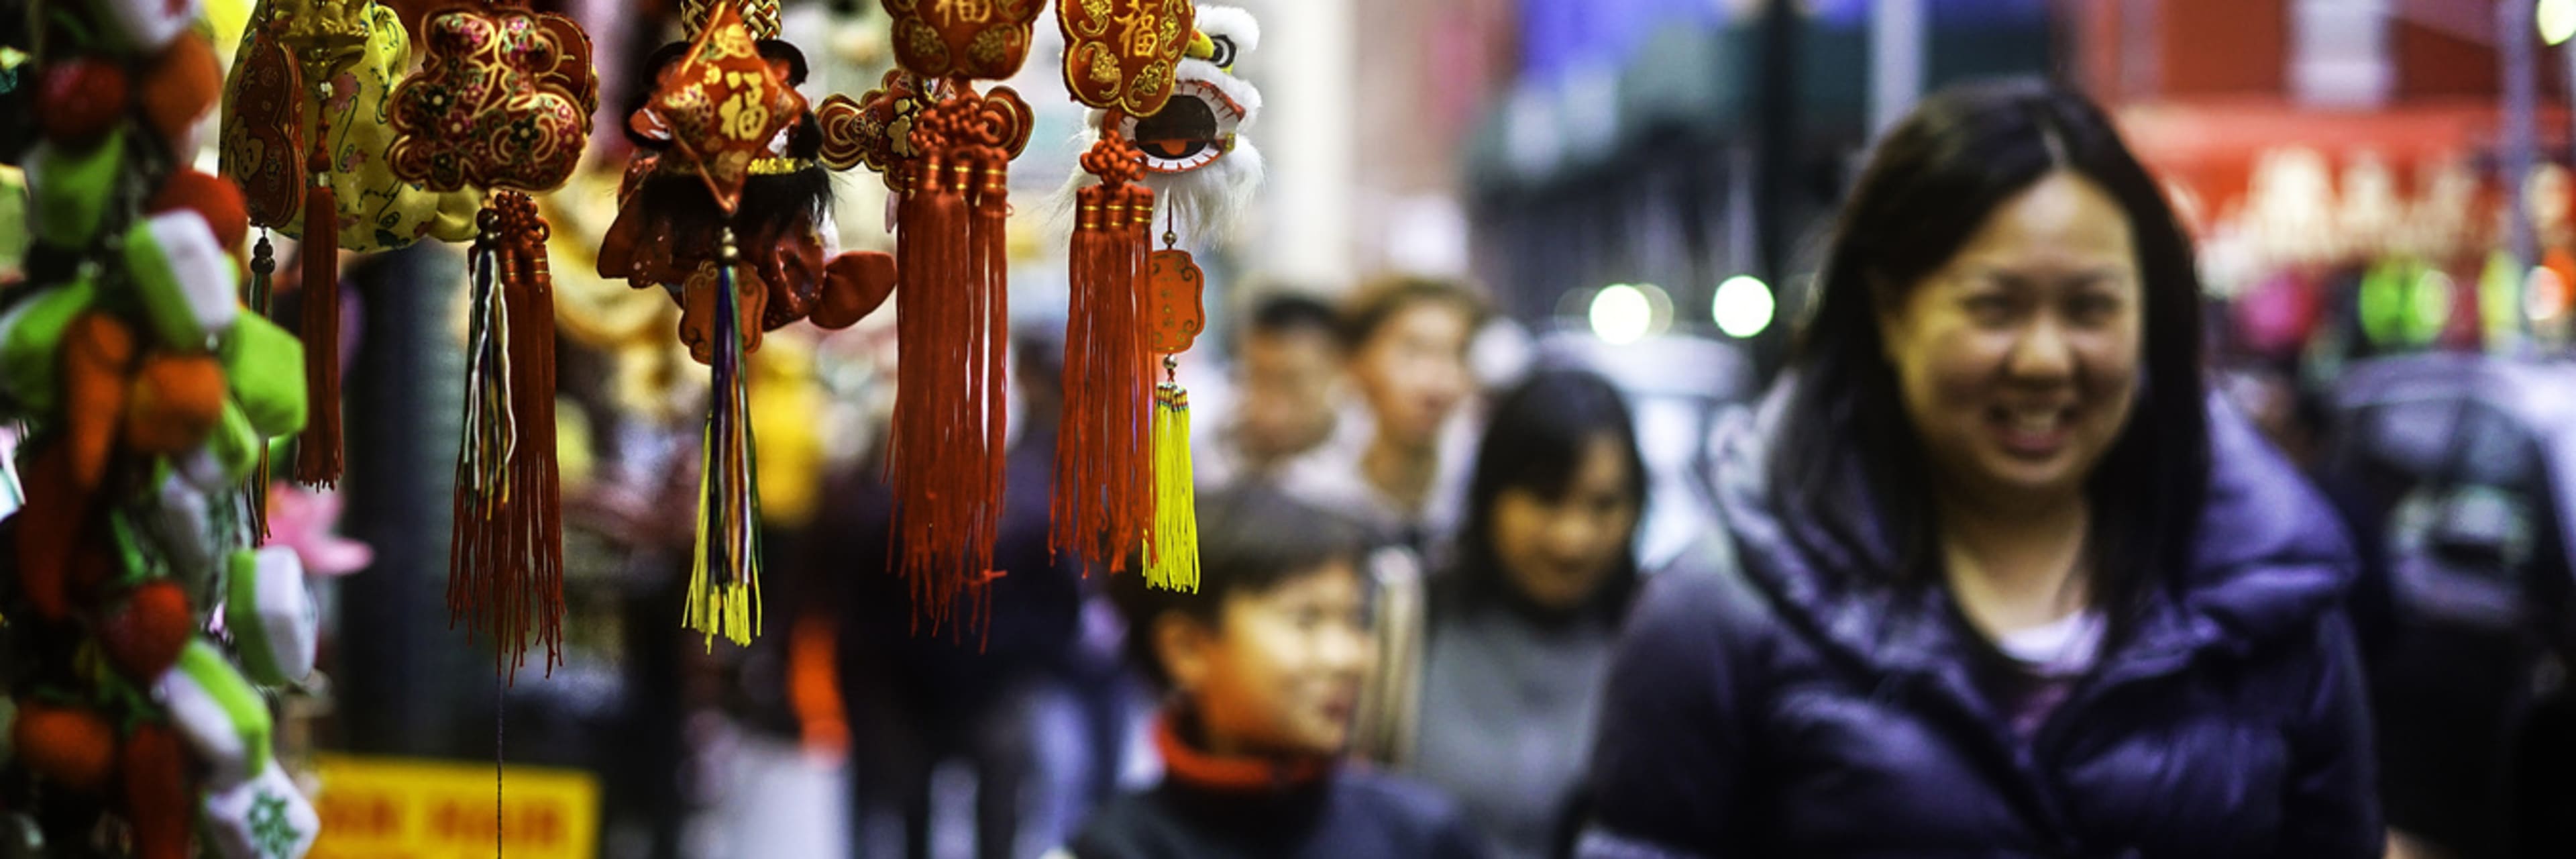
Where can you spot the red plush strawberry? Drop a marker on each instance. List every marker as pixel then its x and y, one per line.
pixel 77 101
pixel 143 637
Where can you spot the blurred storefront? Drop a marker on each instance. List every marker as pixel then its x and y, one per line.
pixel 1678 145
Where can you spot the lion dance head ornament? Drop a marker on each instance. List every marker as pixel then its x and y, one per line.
pixel 1195 154
pixel 1166 139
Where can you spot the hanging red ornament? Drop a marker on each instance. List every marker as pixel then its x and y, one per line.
pixel 1120 57
pixel 951 170
pixel 721 106
pixel 503 102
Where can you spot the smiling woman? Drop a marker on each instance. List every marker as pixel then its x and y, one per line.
pixel 1995 575
pixel 1520 626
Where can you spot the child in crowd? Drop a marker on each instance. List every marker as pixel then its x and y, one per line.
pixel 1262 667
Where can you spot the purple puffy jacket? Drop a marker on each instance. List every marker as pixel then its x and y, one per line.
pixel 1766 702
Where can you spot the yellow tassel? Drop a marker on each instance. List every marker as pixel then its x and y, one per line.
pixel 1173 555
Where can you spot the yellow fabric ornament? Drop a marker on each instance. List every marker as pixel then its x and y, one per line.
pixel 377 211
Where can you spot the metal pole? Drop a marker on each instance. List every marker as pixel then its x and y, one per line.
pixel 1776 130
pixel 1775 133
pixel 1896 60
pixel 2140 68
pixel 2521 101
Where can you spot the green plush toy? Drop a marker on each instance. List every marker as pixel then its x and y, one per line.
pixel 182 278
pixel 72 189
pixel 31 339
pixel 265 364
pixel 274 623
pixel 218 713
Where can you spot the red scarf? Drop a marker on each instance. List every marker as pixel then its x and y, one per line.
pixel 1187 764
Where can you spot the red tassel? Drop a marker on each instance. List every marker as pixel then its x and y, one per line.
pixel 532 365
pixel 1103 500
pixel 991 247
pixel 505 568
pixel 317 457
pixel 950 329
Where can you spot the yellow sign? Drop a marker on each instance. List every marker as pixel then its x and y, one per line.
pixel 392 808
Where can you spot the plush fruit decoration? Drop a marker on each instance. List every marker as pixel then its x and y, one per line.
pixel 143 637
pixel 174 404
pixel 78 101
pixel 182 85
pixel 97 354
pixel 152 770
pixel 96 561
pixel 271 616
pixel 217 713
pixel 72 746
pixel 212 197
pixel 45 533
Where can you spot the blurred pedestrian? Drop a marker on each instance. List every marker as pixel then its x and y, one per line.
pixel 2000 579
pixel 1287 375
pixel 1263 665
pixel 1520 627
pixel 1406 340
pixel 922 696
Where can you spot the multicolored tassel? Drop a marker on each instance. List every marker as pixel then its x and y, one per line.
pixel 505 561
pixel 724 577
pixel 1172 557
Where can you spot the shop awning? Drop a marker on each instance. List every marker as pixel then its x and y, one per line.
pixel 2212 146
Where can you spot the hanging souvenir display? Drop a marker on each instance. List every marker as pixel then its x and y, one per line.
pixel 1123 475
pixel 666 227
pixel 502 103
pixel 721 109
pixel 1120 57
pixel 306 134
pixel 148 396
pixel 945 150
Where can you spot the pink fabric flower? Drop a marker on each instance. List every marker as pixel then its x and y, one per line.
pixel 344 92
pixel 302 520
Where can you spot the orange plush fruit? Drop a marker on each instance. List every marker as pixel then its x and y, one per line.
pixel 73 747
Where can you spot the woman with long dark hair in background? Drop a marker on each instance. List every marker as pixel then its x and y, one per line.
pixel 1519 627
pixel 1997 577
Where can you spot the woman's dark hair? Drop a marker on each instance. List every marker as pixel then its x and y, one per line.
pixel 1928 188
pixel 1252 538
pixel 1535 440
